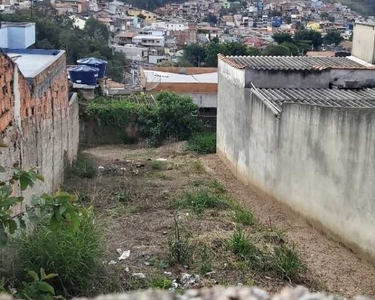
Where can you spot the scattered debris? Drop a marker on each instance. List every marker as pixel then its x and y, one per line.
pixel 124 255
pixel 175 284
pixel 188 280
pixel 101 168
pixel 167 273
pixel 146 263
pixel 139 165
pixel 161 159
pixel 139 275
pixel 112 262
pixel 127 269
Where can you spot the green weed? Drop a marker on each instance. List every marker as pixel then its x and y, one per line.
pixel 123 196
pixel 218 187
pixel 199 201
pixel 197 183
pixel 161 283
pixel 287 262
pixel 244 217
pixel 240 244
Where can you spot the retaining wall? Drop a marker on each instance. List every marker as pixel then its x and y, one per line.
pixel 320 161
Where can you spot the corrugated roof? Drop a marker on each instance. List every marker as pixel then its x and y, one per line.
pixel 291 62
pixel 362 98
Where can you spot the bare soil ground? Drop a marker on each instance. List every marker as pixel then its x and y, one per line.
pixel 132 200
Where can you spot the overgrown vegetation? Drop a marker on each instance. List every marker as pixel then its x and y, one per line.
pixel 172 117
pixel 203 143
pixel 74 255
pixel 58 243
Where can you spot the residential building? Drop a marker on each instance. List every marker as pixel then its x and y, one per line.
pixel 149 40
pixel 125 38
pixel 133 52
pixel 148 16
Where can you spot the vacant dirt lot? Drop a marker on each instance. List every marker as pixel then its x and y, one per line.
pixel 134 196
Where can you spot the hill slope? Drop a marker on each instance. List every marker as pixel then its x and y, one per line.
pixel 150 4
pixel 365 7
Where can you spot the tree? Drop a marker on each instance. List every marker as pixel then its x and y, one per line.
pixel 212 50
pixel 324 15
pixel 210 18
pixel 308 37
pixel 293 48
pixel 281 37
pixel 194 54
pixel 332 37
pixel 275 13
pixel 276 50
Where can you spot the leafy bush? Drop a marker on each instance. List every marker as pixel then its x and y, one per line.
pixel 200 200
pixel 287 262
pixel 172 116
pixel 74 255
pixel 204 143
pixel 83 168
pixel 244 217
pixel 57 211
pixel 38 288
pixel 161 283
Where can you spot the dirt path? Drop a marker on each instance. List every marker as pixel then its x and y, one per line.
pixel 339 269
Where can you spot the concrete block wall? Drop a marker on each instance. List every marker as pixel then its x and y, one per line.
pixel 47 133
pixel 319 161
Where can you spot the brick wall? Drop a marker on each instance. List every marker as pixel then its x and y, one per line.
pixel 42 129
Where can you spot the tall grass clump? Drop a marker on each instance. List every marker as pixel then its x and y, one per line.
pixel 287 262
pixel 180 243
pixel 75 256
pixel 244 217
pixel 240 244
pixel 203 143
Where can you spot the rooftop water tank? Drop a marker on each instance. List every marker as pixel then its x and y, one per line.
pixel 83 75
pixel 96 63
